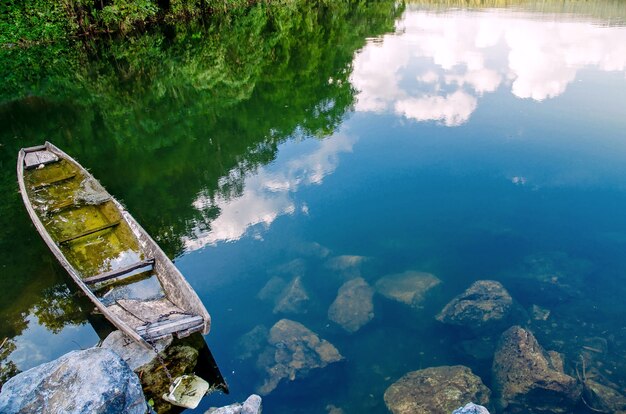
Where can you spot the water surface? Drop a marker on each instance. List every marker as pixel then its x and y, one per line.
pixel 468 143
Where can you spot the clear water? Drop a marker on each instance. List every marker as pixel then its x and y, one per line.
pixel 467 143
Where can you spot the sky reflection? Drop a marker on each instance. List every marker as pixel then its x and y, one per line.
pixel 436 66
pixel 267 192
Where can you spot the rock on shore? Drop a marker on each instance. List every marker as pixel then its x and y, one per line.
pixel 437 390
pixel 527 379
pixel 471 408
pixel 251 406
pixel 93 381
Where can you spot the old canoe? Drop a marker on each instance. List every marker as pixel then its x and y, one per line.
pixel 108 254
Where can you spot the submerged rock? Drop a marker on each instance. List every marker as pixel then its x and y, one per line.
pixel 348 266
pixel 293 351
pixel 528 379
pixel 95 380
pixel 603 398
pixel 437 390
pixel 251 343
pixel 251 406
pixel 409 287
pixel 272 289
pixel 485 304
pixel 293 298
pixel 539 313
pixel 471 408
pixel 331 409
pixel 353 306
pixel 135 354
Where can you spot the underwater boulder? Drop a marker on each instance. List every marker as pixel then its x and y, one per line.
pixel 603 398
pixel 527 379
pixel 353 306
pixel 272 289
pixel 348 266
pixel 408 287
pixel 293 350
pixel 293 298
pixel 94 381
pixel 485 304
pixel 436 390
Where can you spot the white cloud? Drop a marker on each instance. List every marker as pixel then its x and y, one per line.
pixel 473 52
pixel 452 110
pixel 267 194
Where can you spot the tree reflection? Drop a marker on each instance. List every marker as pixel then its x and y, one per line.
pixel 162 117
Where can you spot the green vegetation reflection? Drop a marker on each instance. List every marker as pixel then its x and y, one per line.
pixel 161 117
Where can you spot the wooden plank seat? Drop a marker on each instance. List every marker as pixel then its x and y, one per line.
pixel 159 329
pixel 54 181
pixel 154 319
pixel 37 156
pixel 118 273
pixel 70 204
pixel 89 231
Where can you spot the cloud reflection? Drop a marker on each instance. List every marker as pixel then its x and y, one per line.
pixel 267 194
pixel 436 66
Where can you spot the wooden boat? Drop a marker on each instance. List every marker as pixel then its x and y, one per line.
pixel 107 253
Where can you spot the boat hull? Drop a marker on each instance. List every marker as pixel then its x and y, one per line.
pixel 96 255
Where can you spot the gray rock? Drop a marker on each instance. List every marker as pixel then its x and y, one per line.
pixel 437 390
pixel 527 379
pixel 486 303
pixel 91 381
pixel 251 406
pixel 293 298
pixel 353 306
pixel 227 409
pixel 409 287
pixel 471 408
pixel 135 355
pixel 293 351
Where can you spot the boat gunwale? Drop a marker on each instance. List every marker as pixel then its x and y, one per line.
pixel 142 236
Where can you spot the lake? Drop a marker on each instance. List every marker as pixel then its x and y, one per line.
pixel 319 144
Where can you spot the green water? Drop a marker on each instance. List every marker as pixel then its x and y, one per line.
pixel 341 141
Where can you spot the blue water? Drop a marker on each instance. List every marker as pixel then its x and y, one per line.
pixel 481 145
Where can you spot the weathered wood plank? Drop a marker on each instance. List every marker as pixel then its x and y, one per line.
pixel 168 326
pixel 35 158
pixel 53 181
pixel 90 231
pixel 34 148
pixel 118 272
pixel 63 205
